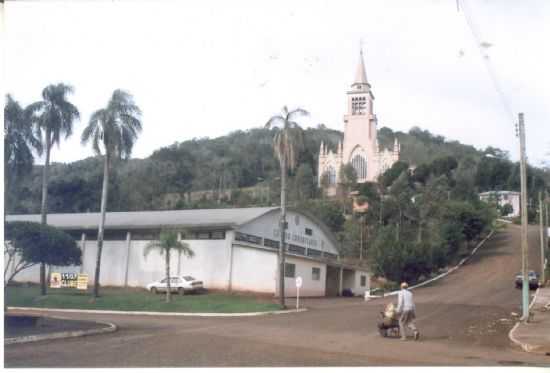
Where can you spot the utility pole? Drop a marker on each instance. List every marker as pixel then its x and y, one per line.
pixel 524 247
pixel 546 229
pixel 542 240
pixel 361 246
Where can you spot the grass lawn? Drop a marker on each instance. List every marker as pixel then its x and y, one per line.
pixel 121 299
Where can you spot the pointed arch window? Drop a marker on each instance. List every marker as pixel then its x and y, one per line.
pixel 359 163
pixel 331 175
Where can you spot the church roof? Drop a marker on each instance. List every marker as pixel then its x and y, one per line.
pixel 361 75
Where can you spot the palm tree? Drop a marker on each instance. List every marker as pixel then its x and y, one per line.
pixel 19 141
pixel 168 240
pixel 54 116
pixel 286 142
pixel 114 131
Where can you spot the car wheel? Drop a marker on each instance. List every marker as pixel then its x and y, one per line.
pixel 154 290
pixel 181 291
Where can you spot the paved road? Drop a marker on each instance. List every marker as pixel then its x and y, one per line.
pixel 464 320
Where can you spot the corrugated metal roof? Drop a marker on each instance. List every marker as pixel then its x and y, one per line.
pixel 207 218
pixel 152 219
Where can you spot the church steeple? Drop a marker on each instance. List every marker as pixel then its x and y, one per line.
pixel 360 74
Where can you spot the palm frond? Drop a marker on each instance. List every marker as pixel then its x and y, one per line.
pixel 297 112
pixel 274 120
pixel 152 245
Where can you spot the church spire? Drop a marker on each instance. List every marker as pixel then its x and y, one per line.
pixel 360 74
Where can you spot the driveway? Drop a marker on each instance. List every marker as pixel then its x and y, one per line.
pixel 464 319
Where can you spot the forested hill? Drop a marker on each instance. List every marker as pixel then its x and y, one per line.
pixel 238 160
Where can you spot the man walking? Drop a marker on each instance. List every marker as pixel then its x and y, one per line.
pixel 406 309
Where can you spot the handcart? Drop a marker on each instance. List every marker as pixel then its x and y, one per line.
pixel 389 324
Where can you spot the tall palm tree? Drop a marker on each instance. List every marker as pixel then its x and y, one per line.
pixel 19 142
pixel 54 116
pixel 112 130
pixel 286 143
pixel 168 241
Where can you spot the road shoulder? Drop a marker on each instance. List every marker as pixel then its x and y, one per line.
pixel 56 326
pixel 534 336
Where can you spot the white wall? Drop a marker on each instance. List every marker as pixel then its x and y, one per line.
pixel 254 270
pixel 358 289
pixel 210 263
pixel 310 287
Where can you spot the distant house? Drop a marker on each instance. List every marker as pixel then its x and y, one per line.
pixel 503 197
pixel 235 250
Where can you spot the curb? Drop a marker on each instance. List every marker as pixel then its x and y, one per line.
pixel 145 313
pixel 59 335
pixel 450 270
pixel 525 346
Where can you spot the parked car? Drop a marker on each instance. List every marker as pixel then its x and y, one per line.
pixel 179 284
pixel 533 278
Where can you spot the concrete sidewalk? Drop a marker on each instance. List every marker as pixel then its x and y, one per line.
pixel 534 336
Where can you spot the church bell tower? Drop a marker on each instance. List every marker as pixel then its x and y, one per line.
pixel 360 143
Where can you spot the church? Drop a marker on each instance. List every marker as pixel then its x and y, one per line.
pixel 360 146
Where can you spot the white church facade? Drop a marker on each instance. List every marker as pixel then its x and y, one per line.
pixel 360 146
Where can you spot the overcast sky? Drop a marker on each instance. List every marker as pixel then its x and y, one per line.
pixel 204 69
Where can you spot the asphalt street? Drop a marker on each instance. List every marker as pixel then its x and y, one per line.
pixel 464 319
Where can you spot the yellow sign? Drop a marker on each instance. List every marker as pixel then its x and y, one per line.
pixel 69 280
pixel 55 280
pixel 82 281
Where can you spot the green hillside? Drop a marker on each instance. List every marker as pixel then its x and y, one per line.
pixel 239 160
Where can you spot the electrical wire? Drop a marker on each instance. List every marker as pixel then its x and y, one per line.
pixel 485 57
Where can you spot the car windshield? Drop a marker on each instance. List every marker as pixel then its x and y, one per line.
pixel 188 278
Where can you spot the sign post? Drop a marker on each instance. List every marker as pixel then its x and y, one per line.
pixel 298 286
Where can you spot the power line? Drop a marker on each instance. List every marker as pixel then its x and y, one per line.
pixel 485 57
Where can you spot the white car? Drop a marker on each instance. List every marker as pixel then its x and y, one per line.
pixel 179 284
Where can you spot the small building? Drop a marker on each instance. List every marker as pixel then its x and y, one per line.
pixel 503 197
pixel 235 250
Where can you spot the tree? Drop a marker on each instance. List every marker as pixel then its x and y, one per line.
pixel 390 175
pixel 28 243
pixel 327 211
pixel 348 181
pixel 112 130
pixel 54 116
pixel 286 143
pixel 350 239
pixel 305 182
pixel 19 142
pixel 506 209
pixel 168 241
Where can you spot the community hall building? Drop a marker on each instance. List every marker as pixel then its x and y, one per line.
pixel 235 250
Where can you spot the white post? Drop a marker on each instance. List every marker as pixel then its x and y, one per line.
pixel 341 280
pixel 128 244
pixel 179 256
pixel 297 298
pixel 82 250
